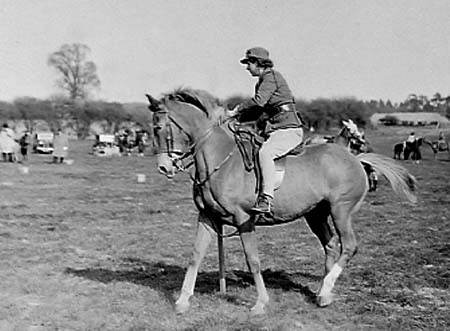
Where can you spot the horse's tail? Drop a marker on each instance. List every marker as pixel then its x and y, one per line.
pixel 401 180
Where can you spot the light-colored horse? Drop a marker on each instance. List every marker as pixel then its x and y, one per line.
pixel 348 136
pixel 324 180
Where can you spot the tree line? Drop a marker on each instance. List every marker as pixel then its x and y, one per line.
pixel 77 78
pixel 323 113
pixel 76 115
pixel 79 114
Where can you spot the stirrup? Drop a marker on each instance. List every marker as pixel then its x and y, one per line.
pixel 263 205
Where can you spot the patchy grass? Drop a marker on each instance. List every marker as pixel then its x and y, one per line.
pixel 86 247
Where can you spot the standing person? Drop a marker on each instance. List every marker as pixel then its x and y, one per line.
pixel 410 146
pixel 411 138
pixel 24 142
pixel 441 143
pixel 7 143
pixel 60 146
pixel 274 105
pixel 140 142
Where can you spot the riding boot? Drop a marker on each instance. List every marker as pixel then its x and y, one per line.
pixel 263 204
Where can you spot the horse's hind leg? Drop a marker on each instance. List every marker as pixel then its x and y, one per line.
pixel 317 220
pixel 342 221
pixel 202 242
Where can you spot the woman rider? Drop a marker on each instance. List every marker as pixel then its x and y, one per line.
pixel 275 105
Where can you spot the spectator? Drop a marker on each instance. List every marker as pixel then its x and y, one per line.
pixel 7 143
pixel 61 146
pixel 24 142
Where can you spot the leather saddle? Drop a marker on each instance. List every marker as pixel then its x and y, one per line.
pixel 249 143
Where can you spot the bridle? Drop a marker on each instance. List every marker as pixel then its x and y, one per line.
pixel 178 158
pixel 351 136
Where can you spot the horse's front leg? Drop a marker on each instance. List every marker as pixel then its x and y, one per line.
pixel 248 239
pixel 202 242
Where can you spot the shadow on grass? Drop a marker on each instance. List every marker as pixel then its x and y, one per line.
pixel 167 278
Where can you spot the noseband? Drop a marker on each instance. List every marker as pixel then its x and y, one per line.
pixel 178 158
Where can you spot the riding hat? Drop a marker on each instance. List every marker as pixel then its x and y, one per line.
pixel 255 53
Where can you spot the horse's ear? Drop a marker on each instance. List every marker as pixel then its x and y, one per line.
pixel 345 122
pixel 155 105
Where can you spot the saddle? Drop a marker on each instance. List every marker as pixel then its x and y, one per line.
pixel 249 142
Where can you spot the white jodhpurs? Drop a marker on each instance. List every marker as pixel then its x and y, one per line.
pixel 279 143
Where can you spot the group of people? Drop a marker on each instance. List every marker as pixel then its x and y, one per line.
pixel 129 139
pixel 16 150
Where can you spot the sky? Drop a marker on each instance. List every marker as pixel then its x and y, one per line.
pixel 384 49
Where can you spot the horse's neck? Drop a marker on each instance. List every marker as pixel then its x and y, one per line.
pixel 214 152
pixel 195 124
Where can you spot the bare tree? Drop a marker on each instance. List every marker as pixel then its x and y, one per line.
pixel 79 74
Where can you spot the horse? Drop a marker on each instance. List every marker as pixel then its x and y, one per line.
pixel 398 150
pixel 410 149
pixel 439 146
pixel 323 180
pixel 351 138
pixel 348 136
pixel 413 149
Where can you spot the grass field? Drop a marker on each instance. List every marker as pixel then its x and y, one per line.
pixel 87 247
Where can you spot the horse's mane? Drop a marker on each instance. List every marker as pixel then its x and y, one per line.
pixel 197 98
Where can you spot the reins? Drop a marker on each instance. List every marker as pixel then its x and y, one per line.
pixel 193 150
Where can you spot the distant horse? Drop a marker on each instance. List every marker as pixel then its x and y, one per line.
pixel 409 149
pixel 398 150
pixel 413 149
pixel 439 146
pixel 351 138
pixel 323 180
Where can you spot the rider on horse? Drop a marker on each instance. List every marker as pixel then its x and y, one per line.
pixel 278 120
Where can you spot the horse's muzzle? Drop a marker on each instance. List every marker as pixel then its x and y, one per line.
pixel 165 165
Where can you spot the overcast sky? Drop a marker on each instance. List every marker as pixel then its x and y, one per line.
pixel 325 48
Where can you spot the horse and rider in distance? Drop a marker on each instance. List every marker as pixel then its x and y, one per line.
pixel 410 148
pixel 316 182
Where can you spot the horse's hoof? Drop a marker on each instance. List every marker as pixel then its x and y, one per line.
pixel 181 308
pixel 257 310
pixel 324 301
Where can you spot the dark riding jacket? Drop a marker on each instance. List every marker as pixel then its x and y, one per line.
pixel 275 101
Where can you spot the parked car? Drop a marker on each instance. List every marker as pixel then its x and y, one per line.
pixel 43 142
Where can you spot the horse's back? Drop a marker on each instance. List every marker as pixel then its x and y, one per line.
pixel 326 171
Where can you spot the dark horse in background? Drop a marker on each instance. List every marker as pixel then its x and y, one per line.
pixel 410 149
pixel 324 181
